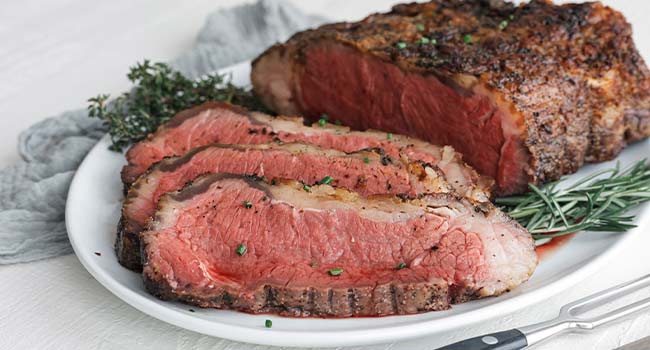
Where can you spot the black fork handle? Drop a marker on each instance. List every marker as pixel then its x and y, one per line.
pixel 513 339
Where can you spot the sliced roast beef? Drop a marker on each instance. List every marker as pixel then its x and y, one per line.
pixel 367 172
pixel 527 93
pixel 222 123
pixel 231 242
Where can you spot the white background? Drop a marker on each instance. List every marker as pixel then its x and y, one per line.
pixel 55 54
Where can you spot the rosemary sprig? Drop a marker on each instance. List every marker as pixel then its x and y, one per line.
pixel 596 203
pixel 158 94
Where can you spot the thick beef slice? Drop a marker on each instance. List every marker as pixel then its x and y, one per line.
pixel 226 124
pixel 397 256
pixel 367 172
pixel 527 93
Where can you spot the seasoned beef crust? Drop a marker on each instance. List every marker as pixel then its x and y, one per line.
pixel 567 78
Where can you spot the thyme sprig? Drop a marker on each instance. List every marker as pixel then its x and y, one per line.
pixel 598 202
pixel 160 92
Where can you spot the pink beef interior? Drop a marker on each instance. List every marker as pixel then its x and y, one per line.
pixel 365 92
pixel 290 246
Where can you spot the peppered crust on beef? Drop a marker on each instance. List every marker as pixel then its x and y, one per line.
pixel 527 93
pixel 398 256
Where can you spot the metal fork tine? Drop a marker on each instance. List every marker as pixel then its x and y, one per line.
pixel 620 312
pixel 589 302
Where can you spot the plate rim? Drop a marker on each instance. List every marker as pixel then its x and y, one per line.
pixel 280 337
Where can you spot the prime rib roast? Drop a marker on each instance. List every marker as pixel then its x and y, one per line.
pixel 366 172
pixel 526 92
pixel 236 242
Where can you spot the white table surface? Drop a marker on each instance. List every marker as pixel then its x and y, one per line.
pixel 54 54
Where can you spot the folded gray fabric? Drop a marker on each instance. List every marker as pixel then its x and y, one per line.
pixel 33 192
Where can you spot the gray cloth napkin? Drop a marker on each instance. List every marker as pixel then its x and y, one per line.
pixel 33 192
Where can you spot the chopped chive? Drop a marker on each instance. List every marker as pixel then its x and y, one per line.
pixel 322 122
pixel 424 40
pixel 248 204
pixel 389 136
pixel 241 250
pixel 511 17
pixel 338 122
pixel 326 180
pixel 434 42
pixel 366 160
pixel 400 266
pixel 401 45
pixel 314 264
pixel 503 25
pixel 307 188
pixel 420 27
pixel 268 323
pixel 324 116
pixel 335 272
pixel 467 39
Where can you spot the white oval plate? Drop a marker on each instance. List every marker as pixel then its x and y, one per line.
pixel 92 213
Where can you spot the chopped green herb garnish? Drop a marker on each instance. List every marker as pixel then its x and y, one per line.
pixel 420 27
pixel 467 39
pixel 401 45
pixel 366 160
pixel 424 40
pixel 338 122
pixel 503 25
pixel 268 323
pixel 335 272
pixel 314 264
pixel 322 122
pixel 248 204
pixel 400 266
pixel 434 42
pixel 389 136
pixel 324 116
pixel 307 188
pixel 241 250
pixel 511 17
pixel 326 180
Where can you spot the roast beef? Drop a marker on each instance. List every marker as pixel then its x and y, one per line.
pixel 232 242
pixel 367 172
pixel 227 124
pixel 527 93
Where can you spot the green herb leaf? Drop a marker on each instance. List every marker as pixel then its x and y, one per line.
pixel 268 323
pixel 248 204
pixel 326 180
pixel 467 39
pixel 241 250
pixel 337 122
pixel 366 160
pixel 322 122
pixel 307 188
pixel 400 266
pixel 314 264
pixel 424 41
pixel 389 136
pixel 420 27
pixel 335 272
pixel 503 25
pixel 401 45
pixel 595 203
pixel 160 92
